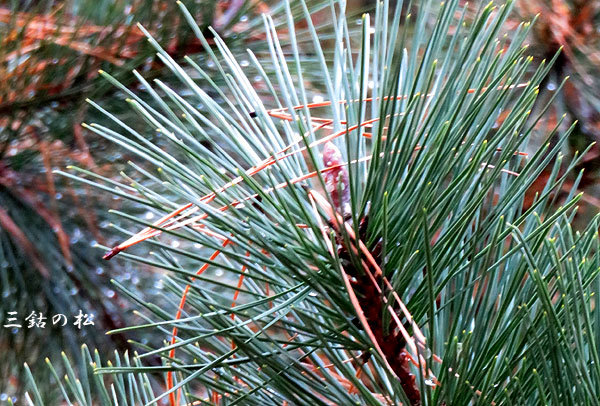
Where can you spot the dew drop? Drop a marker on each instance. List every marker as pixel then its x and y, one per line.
pixel 76 236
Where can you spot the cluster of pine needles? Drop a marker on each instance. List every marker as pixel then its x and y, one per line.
pixel 354 212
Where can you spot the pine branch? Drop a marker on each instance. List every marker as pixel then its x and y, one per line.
pixel 373 247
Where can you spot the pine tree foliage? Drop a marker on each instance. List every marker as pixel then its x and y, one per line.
pixel 50 55
pixel 570 25
pixel 371 247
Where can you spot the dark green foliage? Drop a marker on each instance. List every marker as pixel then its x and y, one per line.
pixel 502 288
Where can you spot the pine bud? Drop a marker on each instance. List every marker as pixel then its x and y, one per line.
pixel 336 178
